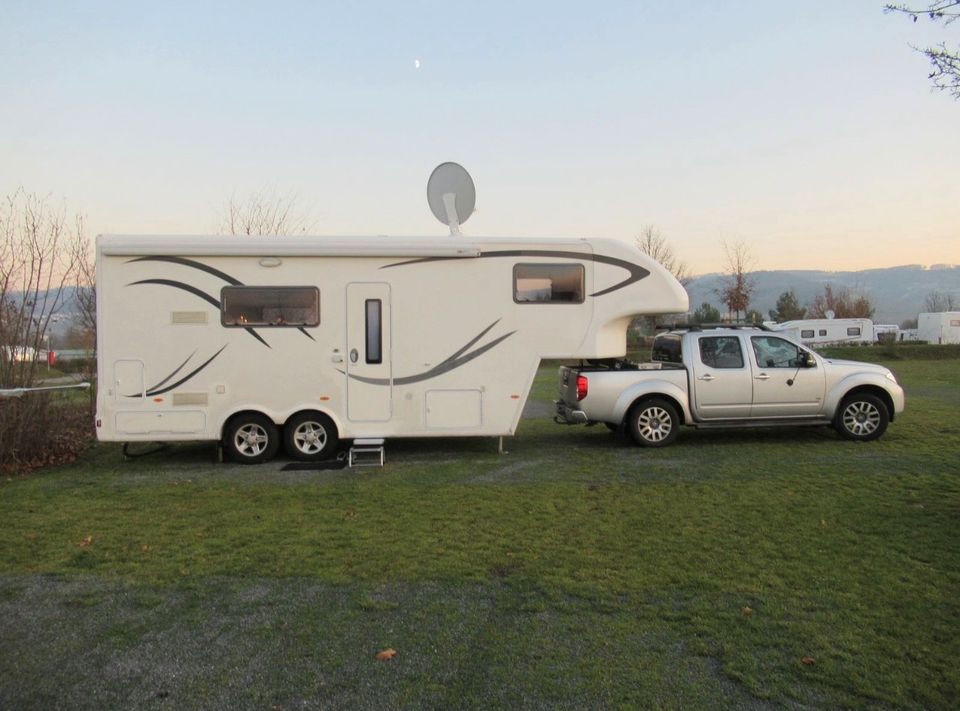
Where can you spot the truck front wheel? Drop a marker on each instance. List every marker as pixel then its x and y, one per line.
pixel 862 417
pixel 653 423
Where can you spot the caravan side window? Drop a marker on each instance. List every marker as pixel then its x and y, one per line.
pixel 548 283
pixel 853 331
pixel 264 306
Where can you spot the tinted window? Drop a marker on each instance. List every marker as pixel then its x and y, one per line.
pixel 666 349
pixel 823 332
pixel 806 334
pixel 374 330
pixel 721 352
pixel 853 331
pixel 278 306
pixel 548 283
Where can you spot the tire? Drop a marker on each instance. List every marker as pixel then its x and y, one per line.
pixel 310 437
pixel 251 438
pixel 653 423
pixel 862 417
pixel 613 427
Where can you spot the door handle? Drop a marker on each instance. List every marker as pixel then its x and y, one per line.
pixel 354 355
pixel 706 377
pixel 762 376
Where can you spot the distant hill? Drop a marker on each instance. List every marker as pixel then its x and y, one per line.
pixel 897 293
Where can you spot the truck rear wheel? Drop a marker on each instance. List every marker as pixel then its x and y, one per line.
pixel 862 417
pixel 653 423
pixel 310 436
pixel 251 438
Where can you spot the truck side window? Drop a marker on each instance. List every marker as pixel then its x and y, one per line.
pixel 721 352
pixel 773 352
pixel 548 283
pixel 667 349
pixel 265 306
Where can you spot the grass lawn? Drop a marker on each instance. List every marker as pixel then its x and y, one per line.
pixel 737 569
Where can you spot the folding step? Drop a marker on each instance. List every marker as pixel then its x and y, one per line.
pixel 366 453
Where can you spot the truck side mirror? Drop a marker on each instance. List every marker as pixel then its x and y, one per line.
pixel 809 360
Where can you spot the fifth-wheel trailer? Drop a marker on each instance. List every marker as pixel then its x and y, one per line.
pixel 255 341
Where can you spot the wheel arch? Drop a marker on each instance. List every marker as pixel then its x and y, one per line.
pixel 631 397
pixel 320 411
pixel 867 389
pixel 279 419
pixel 645 397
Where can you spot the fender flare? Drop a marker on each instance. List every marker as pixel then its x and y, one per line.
pixel 869 381
pixel 652 388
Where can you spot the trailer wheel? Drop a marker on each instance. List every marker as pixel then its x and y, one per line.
pixel 862 417
pixel 310 436
pixel 251 438
pixel 653 423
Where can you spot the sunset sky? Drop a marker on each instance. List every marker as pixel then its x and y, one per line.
pixel 808 130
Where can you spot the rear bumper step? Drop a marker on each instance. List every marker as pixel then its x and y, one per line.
pixel 566 415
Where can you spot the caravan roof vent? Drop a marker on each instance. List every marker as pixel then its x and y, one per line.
pixel 451 195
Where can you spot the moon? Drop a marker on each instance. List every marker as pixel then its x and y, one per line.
pixel 417 64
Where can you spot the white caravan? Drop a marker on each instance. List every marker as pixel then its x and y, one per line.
pixel 826 331
pixel 249 340
pixel 943 327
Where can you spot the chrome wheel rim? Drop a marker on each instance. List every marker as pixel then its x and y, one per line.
pixel 310 437
pixel 655 424
pixel 250 440
pixel 861 418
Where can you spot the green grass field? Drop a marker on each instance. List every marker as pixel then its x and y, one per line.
pixel 737 569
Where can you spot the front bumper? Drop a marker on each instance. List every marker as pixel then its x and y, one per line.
pixel 566 415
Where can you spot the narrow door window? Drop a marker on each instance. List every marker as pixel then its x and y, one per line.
pixel 374 331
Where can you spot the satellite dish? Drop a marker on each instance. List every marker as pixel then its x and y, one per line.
pixel 451 195
pixel 829 313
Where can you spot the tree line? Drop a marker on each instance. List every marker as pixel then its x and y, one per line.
pixel 738 287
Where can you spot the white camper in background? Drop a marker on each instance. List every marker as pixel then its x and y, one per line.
pixel 826 331
pixel 250 339
pixel 886 332
pixel 943 327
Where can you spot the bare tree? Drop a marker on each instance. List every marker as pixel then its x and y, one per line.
pixel 939 301
pixel 262 214
pixel 738 286
pixel 86 296
pixel 944 61
pixel 39 255
pixel 842 302
pixel 652 243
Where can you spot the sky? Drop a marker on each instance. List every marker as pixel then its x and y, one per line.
pixel 808 131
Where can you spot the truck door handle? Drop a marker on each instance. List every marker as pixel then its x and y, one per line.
pixel 762 376
pixel 706 377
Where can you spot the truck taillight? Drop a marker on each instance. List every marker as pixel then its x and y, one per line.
pixel 582 387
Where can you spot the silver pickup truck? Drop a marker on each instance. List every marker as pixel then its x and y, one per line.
pixel 729 377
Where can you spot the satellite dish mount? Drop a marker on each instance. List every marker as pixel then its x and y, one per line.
pixel 451 195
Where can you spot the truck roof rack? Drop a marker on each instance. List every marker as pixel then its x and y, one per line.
pixel 707 326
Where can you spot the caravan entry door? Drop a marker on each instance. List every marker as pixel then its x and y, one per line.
pixel 368 353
